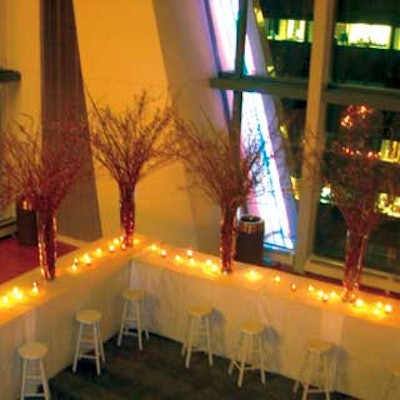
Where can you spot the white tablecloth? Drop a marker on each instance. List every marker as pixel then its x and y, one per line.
pixel 366 344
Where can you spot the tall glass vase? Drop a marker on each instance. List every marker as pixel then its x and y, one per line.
pixel 127 215
pixel 356 245
pixel 227 239
pixel 47 243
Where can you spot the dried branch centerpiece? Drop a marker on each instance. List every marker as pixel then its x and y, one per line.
pixel 227 171
pixel 357 177
pixel 130 144
pixel 42 163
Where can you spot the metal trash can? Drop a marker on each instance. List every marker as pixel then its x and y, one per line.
pixel 26 224
pixel 250 240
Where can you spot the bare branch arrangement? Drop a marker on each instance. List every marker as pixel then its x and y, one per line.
pixel 226 171
pixel 357 177
pixel 41 171
pixel 130 145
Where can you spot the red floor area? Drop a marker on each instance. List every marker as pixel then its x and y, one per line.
pixel 16 259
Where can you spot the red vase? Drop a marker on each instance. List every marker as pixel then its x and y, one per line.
pixel 227 239
pixel 127 215
pixel 356 245
pixel 47 243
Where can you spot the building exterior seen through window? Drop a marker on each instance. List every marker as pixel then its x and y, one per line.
pixel 365 53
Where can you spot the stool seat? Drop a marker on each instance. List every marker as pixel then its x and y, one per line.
pixel 33 372
pixel 249 352
pixel 200 311
pixel 198 337
pixel 316 368
pixel 132 316
pixel 319 346
pixel 32 351
pixel 88 317
pixel 252 327
pixel 89 338
pixel 133 294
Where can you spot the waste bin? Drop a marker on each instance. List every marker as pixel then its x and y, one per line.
pixel 250 240
pixel 26 224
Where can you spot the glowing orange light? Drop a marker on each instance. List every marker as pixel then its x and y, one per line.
pixel 277 279
pixel 153 247
pixel 99 252
pixel 178 258
pixel 293 287
pixel 388 308
pixel 310 288
pixel 163 253
pixel 35 288
pixel 359 303
pixel 87 259
pixel 111 248
pixel 325 297
pixel 123 246
pixel 189 253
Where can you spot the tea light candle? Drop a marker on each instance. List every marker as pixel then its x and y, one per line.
pixel 123 246
pixel 163 253
pixel 293 287
pixel 87 259
pixel 99 252
pixel 388 308
pixel 189 253
pixel 111 248
pixel 35 288
pixel 277 279
pixel 178 258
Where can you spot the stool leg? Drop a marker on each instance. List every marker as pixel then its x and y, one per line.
pixel 23 384
pixel 146 331
pixel 77 349
pixel 235 355
pixel 190 343
pixel 97 350
pixel 260 352
pixel 102 354
pixel 122 326
pixel 139 325
pixel 46 389
pixel 326 369
pixel 242 363
pixel 208 334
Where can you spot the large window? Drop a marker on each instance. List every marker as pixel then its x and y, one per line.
pixel 363 51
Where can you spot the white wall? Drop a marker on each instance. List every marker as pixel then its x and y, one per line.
pixel 20 50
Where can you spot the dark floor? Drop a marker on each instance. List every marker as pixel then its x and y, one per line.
pixel 158 372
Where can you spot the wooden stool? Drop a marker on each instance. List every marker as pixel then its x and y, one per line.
pixel 249 348
pixel 198 333
pixel 33 374
pixel 89 338
pixel 132 299
pixel 392 389
pixel 316 369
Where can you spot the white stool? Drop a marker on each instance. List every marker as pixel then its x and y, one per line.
pixel 198 332
pixel 392 389
pixel 249 353
pixel 33 374
pixel 316 369
pixel 132 299
pixel 89 338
